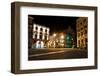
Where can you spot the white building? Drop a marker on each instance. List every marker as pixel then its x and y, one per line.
pixel 40 34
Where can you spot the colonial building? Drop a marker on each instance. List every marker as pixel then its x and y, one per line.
pixel 40 35
pixel 82 28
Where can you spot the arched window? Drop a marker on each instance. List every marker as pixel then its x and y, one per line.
pixel 36 36
pixel 41 36
pixel 41 29
pixel 46 30
pixel 36 28
pixel 79 42
pixel 82 41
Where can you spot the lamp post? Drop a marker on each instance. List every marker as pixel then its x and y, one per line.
pixel 62 37
pixel 54 35
pixel 62 40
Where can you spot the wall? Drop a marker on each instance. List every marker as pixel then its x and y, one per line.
pixel 5 38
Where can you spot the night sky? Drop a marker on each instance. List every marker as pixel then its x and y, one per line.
pixel 55 23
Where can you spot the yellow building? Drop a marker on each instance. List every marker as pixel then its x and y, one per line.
pixel 82 35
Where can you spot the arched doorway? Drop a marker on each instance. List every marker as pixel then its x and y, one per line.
pixel 39 44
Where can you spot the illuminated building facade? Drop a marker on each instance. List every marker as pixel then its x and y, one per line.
pixel 65 39
pixel 40 35
pixel 81 25
pixel 57 40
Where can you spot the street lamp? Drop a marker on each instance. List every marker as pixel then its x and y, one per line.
pixel 54 35
pixel 62 37
pixel 54 43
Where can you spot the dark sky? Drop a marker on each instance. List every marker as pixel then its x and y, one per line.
pixel 55 23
